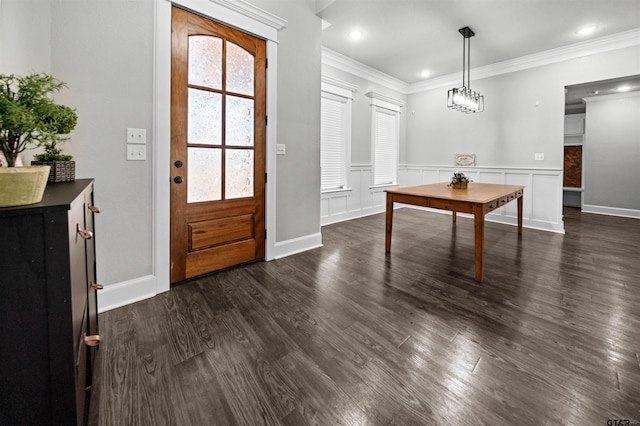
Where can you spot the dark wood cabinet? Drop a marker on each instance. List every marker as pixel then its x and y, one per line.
pixel 48 307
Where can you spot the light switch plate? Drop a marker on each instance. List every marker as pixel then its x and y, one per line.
pixel 136 136
pixel 136 152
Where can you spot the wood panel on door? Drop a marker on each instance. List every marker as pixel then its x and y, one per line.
pixel 218 119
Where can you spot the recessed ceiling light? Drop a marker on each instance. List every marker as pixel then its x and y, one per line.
pixel 355 35
pixel 425 73
pixel 586 30
pixel 623 88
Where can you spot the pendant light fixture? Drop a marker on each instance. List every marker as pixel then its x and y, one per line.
pixel 463 98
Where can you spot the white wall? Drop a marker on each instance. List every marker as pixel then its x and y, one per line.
pixel 104 51
pixel 513 127
pixel 31 20
pixel 612 154
pixel 298 172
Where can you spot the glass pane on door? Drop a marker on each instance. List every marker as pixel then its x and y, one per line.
pixel 239 121
pixel 239 173
pixel 204 176
pixel 239 70
pixel 205 61
pixel 205 117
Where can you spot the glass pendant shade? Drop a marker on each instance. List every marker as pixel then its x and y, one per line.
pixel 462 98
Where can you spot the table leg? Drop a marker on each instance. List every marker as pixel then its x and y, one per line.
pixel 478 215
pixel 520 213
pixel 454 216
pixel 387 243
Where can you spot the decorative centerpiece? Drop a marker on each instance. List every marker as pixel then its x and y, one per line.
pixel 459 181
pixel 29 118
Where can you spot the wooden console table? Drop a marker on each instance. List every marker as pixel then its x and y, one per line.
pixel 478 199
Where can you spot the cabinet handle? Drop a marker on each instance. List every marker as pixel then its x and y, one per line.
pixel 93 340
pixel 94 209
pixel 96 286
pixel 87 235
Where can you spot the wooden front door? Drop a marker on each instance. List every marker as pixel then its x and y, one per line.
pixel 218 124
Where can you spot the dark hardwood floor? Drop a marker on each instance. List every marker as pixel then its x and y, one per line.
pixel 345 334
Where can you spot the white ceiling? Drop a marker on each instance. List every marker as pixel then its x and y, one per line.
pixel 401 38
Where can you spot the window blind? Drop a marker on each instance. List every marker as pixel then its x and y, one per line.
pixel 385 141
pixel 333 142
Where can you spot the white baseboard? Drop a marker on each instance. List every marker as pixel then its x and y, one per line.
pixel 297 245
pixel 611 211
pixel 126 292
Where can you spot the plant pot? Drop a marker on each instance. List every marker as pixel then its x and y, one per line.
pixel 22 185
pixel 61 171
pixel 459 185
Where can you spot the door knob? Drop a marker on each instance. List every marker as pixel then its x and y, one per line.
pixel 178 163
pixel 177 179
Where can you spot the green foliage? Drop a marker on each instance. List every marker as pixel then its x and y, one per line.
pixel 52 154
pixel 30 118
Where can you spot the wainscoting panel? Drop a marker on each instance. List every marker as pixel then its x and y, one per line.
pixel 545 187
pixel 542 195
pixel 360 199
pixel 542 202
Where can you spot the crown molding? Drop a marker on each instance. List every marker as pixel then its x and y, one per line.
pixel 602 44
pixel 344 63
pixel 565 53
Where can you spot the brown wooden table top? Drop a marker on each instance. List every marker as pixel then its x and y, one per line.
pixel 476 192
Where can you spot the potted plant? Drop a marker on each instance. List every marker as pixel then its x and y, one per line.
pixel 459 181
pixel 28 118
pixel 61 122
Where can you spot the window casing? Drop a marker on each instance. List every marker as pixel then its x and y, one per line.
pixel 335 137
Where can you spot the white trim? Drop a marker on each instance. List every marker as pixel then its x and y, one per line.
pixel 272 139
pixel 383 101
pixel 236 13
pixel 621 95
pixel 297 245
pixel 611 211
pixel 603 44
pixel 248 10
pixel 162 146
pixel 344 63
pixel 117 295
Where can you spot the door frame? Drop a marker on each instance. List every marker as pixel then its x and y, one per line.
pixel 246 18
